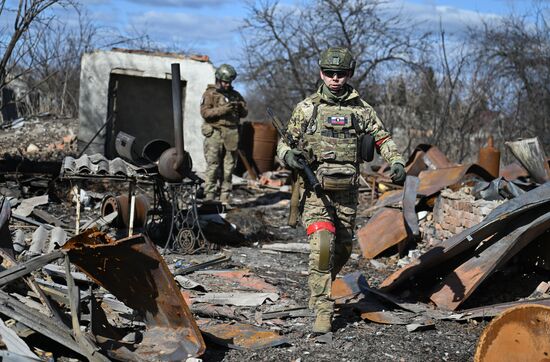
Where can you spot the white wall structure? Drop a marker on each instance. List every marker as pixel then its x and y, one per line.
pixel 144 75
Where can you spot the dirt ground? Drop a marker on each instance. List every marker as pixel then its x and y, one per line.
pixel 353 338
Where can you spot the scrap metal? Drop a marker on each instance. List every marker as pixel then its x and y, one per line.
pixel 458 285
pixel 433 181
pixel 242 336
pixel 134 271
pixel 426 157
pixel 519 334
pixel 469 238
pixel 384 230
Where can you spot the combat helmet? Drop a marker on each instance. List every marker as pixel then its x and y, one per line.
pixel 226 73
pixel 337 58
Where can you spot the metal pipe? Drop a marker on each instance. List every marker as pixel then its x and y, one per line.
pixel 178 116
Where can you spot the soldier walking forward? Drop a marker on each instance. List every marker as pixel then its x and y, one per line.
pixel 329 124
pixel 221 107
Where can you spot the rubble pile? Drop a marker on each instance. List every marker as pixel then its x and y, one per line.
pixel 88 276
pixel 455 211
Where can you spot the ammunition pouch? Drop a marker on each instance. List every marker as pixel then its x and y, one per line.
pixel 337 177
pixel 366 147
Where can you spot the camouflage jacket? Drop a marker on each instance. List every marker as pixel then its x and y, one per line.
pixel 220 108
pixel 309 116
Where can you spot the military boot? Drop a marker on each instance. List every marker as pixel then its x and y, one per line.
pixel 323 323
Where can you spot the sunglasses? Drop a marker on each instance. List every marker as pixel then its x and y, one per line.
pixel 338 73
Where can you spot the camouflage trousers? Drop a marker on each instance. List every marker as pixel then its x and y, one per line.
pixel 320 278
pixel 220 152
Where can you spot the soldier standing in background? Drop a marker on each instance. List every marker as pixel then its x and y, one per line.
pixel 221 107
pixel 329 125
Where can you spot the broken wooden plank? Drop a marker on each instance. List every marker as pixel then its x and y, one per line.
pixel 241 299
pixel 288 247
pixel 6 243
pixel 489 311
pixel 92 351
pixel 31 221
pixel 217 259
pixel 48 218
pixel 38 322
pixel 469 238
pixel 27 267
pixel 530 154
pixel 33 285
pixel 463 281
pixel 289 312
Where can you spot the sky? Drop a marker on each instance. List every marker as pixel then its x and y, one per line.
pixel 211 26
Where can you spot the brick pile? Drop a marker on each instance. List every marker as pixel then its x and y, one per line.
pixel 455 211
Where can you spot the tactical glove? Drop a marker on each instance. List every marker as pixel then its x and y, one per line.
pixel 398 174
pixel 291 159
pixel 226 108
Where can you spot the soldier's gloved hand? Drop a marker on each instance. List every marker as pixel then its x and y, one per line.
pixel 226 108
pixel 398 173
pixel 291 159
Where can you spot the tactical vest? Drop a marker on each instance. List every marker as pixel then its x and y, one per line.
pixel 332 137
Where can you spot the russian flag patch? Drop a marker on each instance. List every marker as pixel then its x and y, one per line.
pixel 338 120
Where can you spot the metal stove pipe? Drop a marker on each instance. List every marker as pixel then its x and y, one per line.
pixel 178 116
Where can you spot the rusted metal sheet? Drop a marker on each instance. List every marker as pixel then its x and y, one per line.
pixel 409 203
pixel 469 238
pixel 239 279
pixel 519 334
pixel 134 271
pixel 242 336
pixel 121 204
pixel 347 286
pixel 513 171
pixel 530 154
pixel 433 181
pixel 426 157
pixel 463 281
pixel 368 306
pixel 384 230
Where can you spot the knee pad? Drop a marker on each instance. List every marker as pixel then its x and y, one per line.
pixel 322 235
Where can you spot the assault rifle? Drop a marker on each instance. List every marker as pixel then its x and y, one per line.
pixel 306 171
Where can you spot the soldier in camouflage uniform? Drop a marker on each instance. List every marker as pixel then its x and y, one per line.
pixel 329 124
pixel 221 107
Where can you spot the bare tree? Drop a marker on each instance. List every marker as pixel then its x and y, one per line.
pixel 16 42
pixel 283 45
pixel 515 53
